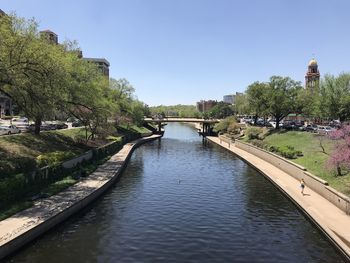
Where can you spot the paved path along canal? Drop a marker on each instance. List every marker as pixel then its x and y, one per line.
pixel 182 201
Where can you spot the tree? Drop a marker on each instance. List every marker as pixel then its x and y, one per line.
pixel 335 94
pixel 228 125
pixel 308 104
pixel 241 106
pixel 282 95
pixel 340 157
pixel 183 111
pixel 258 99
pixel 31 71
pixel 89 99
pixel 221 110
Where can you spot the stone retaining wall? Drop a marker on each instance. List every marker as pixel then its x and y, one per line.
pixel 298 172
pixel 79 159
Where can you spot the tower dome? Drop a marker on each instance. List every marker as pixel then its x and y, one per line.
pixel 313 62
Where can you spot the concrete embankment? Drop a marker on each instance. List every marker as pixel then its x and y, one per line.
pixel 26 225
pixel 331 219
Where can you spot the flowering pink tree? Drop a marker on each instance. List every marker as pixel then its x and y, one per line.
pixel 340 157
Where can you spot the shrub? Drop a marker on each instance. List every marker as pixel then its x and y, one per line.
pixel 17 164
pixel 54 158
pixel 289 152
pixel 260 144
pixel 12 188
pixel 253 133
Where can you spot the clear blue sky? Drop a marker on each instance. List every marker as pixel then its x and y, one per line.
pixel 181 51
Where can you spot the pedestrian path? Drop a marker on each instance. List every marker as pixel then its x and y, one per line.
pixel 26 225
pixel 332 220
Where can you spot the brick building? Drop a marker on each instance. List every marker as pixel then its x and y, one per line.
pixel 206 105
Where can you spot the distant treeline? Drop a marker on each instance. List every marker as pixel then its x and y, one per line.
pixel 176 111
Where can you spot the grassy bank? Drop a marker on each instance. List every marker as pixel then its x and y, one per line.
pixel 19 153
pixel 314 158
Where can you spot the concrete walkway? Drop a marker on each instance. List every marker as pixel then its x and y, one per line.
pixel 330 219
pixel 24 226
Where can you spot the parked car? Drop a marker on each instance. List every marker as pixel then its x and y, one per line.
pixel 311 128
pixel 321 129
pixel 20 119
pixel 77 124
pixel 290 125
pixel 329 129
pixel 335 124
pixel 9 129
pixel 3 131
pixel 46 126
pixel 302 128
pixel 60 125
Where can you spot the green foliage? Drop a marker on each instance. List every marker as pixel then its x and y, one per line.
pixel 242 106
pixel 14 208
pixel 12 188
pixel 183 111
pixel 259 143
pixel 18 153
pixel 283 93
pixel 221 110
pixel 286 151
pixel 54 158
pixel 258 99
pixel 58 186
pixel 45 80
pixel 253 132
pixel 335 96
pixel 228 125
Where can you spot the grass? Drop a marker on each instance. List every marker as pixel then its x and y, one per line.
pixel 58 186
pixel 135 128
pixel 14 208
pixel 18 153
pixel 313 159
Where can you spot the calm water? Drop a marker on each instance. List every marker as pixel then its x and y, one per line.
pixel 182 201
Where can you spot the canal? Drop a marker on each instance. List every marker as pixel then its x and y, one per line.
pixel 182 201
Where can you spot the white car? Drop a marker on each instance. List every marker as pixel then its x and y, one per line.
pixel 20 119
pixel 329 129
pixel 9 129
pixel 321 129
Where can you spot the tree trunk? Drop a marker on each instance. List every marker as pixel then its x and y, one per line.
pixel 86 134
pixel 277 124
pixel 338 170
pixel 255 119
pixel 37 125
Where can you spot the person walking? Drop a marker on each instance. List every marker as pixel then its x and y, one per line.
pixel 302 186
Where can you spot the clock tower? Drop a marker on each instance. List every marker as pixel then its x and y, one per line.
pixel 312 77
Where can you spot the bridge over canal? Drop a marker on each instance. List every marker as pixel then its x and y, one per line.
pixel 206 123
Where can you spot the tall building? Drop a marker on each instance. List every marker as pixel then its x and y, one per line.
pixel 51 37
pixel 102 64
pixel 206 105
pixel 228 99
pixel 232 99
pixel 2 13
pixel 312 77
